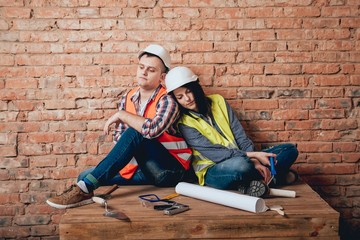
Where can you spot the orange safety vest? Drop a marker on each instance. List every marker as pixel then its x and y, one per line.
pixel 176 146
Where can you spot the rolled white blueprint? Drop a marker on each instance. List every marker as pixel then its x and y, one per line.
pixel 282 193
pixel 230 199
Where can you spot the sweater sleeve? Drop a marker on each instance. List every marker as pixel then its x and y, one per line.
pixel 242 140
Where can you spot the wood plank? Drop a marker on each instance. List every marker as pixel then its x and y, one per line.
pixel 307 216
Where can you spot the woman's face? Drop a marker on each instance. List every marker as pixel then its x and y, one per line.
pixel 185 98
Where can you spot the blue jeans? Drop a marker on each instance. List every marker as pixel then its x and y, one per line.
pixel 231 173
pixel 156 165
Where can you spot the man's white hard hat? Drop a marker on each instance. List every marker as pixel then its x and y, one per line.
pixel 179 76
pixel 159 51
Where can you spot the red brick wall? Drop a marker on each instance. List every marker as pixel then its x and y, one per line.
pixel 291 69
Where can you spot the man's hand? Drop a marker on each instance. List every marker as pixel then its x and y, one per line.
pixel 113 119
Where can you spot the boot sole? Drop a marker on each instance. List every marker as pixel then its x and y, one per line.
pixel 78 204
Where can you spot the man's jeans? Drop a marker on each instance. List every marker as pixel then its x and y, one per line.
pixel 156 165
pixel 233 172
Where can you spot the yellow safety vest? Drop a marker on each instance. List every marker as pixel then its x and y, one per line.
pixel 219 110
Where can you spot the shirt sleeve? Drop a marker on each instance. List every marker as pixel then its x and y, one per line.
pixel 242 140
pixel 215 152
pixel 167 112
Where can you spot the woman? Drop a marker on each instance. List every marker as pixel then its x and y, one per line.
pixel 223 156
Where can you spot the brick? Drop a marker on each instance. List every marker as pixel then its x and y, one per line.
pixel 303 125
pixel 328 92
pixel 255 115
pixel 271 81
pixel 264 12
pixel 326 135
pixel 282 69
pixel 67 126
pixel 317 147
pixel 336 11
pixel 283 34
pixel 323 158
pixel 81 48
pixel 233 81
pixel 16 12
pixel 296 104
pixel 15 232
pixel 311 23
pixel 219 57
pixel 255 57
pixel 327 169
pixel 354 92
pixel 302 12
pixel 253 34
pixel 326 113
pixel 349 23
pixel 351 157
pixel 260 104
pixel 293 57
pixel 219 36
pixel 345 180
pixel 261 125
pixel 321 180
pixel 43 230
pixel 335 45
pixel 32 220
pixel 65 173
pixel 290 114
pixel 263 137
pixel 255 94
pixel 330 34
pixel 353 191
pixel 268 46
pixel 321 68
pixel 230 13
pixel 345 147
pixel 334 103
pixel 344 124
pixel 34 149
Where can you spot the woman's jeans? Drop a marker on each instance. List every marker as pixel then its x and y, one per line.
pixel 155 164
pixel 236 171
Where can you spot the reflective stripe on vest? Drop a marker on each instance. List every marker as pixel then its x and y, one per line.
pixel 221 117
pixel 177 146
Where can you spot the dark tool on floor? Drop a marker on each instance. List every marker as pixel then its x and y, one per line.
pixel 114 214
pixel 107 193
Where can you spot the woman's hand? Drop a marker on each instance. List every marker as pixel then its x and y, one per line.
pixel 262 157
pixel 263 170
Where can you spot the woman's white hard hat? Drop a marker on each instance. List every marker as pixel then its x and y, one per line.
pixel 179 76
pixel 159 51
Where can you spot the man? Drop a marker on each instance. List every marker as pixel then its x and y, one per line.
pixel 146 149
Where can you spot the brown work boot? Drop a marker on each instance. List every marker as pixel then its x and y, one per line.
pixel 72 197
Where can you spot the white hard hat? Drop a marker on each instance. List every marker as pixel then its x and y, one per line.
pixel 159 51
pixel 179 76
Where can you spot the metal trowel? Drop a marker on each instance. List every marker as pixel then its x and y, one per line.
pixel 114 214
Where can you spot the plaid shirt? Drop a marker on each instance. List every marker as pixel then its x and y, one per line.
pixel 167 112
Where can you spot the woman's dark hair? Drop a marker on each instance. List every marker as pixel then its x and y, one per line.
pixel 202 102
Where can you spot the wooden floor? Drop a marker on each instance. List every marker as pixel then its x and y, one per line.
pixel 307 217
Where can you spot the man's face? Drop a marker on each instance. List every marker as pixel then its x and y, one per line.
pixel 149 72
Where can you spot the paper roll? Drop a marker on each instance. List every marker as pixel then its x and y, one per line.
pixel 230 199
pixel 282 193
